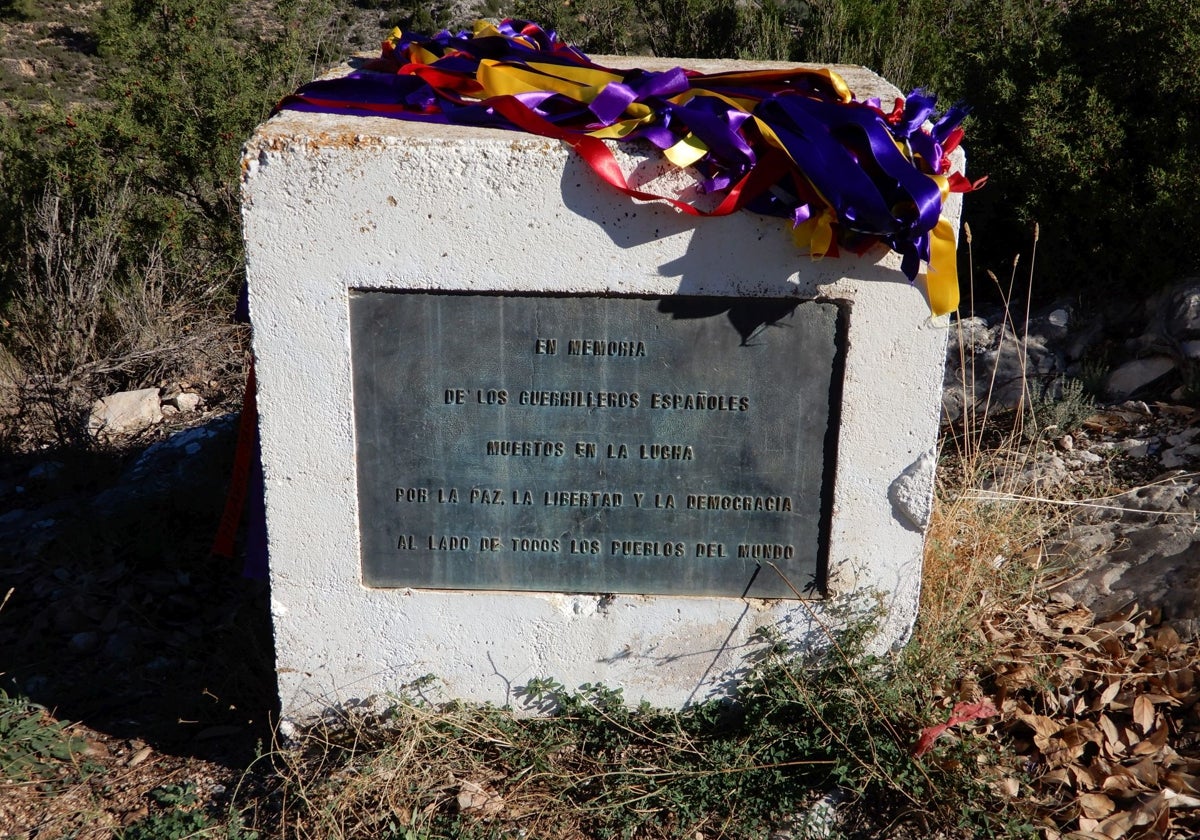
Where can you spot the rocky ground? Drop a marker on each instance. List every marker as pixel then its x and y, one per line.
pixel 1111 406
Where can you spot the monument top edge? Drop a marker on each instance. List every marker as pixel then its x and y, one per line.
pixel 865 84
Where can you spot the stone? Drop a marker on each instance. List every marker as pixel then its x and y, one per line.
pixel 185 401
pixel 1135 448
pixel 1137 407
pixel 46 471
pixel 23 67
pixel 1135 375
pixel 121 644
pixel 1083 337
pixel 1172 458
pixel 1027 478
pixel 1183 311
pixel 189 465
pixel 124 413
pixel 1156 567
pixel 84 642
pixel 1138 546
pixel 992 367
pixel 1184 437
pixel 336 207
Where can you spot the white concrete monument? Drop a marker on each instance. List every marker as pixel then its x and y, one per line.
pixel 517 425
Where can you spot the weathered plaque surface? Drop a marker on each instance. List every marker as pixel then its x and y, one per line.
pixel 594 444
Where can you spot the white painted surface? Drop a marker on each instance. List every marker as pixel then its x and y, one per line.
pixel 333 203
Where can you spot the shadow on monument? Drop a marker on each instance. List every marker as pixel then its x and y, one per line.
pixel 119 617
pixel 717 255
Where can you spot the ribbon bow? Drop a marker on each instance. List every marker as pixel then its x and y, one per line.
pixel 792 143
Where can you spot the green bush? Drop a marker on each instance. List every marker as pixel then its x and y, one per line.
pixel 119 220
pixel 694 28
pixel 188 87
pixel 16 9
pixel 1087 122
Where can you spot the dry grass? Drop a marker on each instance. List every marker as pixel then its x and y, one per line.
pixel 1093 718
pixel 88 319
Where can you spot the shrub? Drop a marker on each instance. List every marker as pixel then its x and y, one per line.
pixel 694 28
pixel 120 220
pixel 1086 123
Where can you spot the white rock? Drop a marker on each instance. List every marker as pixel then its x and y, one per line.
pixel 1088 457
pixel 1135 448
pixel 1059 317
pixel 1136 374
pixel 1183 318
pixel 125 413
pixel 289 733
pixel 819 822
pixel 1138 406
pixel 1049 472
pixel 185 401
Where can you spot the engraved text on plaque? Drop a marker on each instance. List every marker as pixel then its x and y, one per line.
pixel 594 444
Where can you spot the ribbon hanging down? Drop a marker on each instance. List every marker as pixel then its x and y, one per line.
pixel 793 143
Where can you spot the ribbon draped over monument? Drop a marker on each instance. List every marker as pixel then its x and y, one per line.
pixel 793 143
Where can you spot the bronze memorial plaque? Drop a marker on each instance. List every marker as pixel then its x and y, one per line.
pixel 678 445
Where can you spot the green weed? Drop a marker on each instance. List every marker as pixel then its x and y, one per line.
pixel 182 816
pixel 32 744
pixel 120 240
pixel 1058 410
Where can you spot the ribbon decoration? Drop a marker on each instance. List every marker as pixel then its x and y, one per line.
pixel 791 143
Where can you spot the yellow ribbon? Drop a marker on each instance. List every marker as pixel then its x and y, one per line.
pixel 816 234
pixel 687 151
pixel 502 79
pixel 750 77
pixel 941 278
